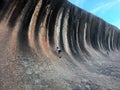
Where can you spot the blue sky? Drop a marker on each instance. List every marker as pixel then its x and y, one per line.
pixel 108 10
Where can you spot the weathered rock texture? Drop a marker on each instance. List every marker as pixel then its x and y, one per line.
pixel 30 31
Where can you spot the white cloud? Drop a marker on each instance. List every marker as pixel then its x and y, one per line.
pixel 105 6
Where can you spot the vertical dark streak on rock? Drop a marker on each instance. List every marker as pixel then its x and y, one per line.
pixel 117 40
pixel 111 47
pixel 54 9
pixel 71 33
pixel 94 33
pixel 81 33
pixel 114 40
pixel 106 37
pixel 23 32
pixel 61 27
pixel 40 18
pixel 5 8
pixel 17 12
pixel 88 29
pixel 102 35
pixel 2 3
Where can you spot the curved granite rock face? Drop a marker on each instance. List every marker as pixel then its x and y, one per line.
pixel 30 31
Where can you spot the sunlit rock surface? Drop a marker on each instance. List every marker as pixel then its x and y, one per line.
pixel 30 31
